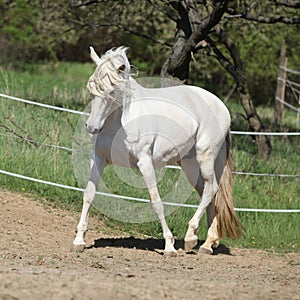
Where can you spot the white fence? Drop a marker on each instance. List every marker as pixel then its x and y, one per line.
pixel 284 82
pixel 3 172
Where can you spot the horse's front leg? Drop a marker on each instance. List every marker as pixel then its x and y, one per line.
pixel 97 166
pixel 146 168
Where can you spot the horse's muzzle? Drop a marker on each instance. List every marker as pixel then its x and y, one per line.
pixel 92 129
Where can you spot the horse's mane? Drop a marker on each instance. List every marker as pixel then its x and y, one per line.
pixel 108 73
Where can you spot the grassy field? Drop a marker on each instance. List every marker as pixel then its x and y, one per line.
pixel 23 127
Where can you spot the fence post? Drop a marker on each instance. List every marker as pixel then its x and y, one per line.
pixel 280 89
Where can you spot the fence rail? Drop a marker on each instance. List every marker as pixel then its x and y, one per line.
pixel 84 113
pixel 42 104
pixel 139 199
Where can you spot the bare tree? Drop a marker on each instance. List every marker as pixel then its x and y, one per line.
pixel 197 30
pixel 192 30
pixel 236 68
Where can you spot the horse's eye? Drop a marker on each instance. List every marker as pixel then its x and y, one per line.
pixel 122 68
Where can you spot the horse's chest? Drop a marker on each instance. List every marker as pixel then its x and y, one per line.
pixel 116 150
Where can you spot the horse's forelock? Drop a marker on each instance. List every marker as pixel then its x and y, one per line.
pixel 119 57
pixel 115 53
pixel 107 73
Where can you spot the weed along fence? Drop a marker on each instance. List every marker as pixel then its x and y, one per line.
pixel 50 183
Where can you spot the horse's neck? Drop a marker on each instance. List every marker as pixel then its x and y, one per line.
pixel 115 116
pixel 134 87
pixel 123 115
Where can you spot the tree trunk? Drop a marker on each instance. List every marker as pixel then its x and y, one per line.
pixel 191 30
pixel 263 144
pixel 236 69
pixel 177 65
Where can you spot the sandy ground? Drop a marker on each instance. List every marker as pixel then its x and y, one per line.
pixel 36 262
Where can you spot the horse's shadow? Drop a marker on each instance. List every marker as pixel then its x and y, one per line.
pixel 150 244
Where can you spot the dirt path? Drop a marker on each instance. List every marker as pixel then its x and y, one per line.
pixel 36 263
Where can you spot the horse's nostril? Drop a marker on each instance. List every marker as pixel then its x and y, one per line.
pixel 88 127
pixel 92 129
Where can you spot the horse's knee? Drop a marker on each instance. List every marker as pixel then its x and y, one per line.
pixel 82 227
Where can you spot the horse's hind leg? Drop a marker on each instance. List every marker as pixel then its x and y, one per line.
pixel 98 165
pixel 212 239
pixel 147 171
pixel 191 237
pixel 209 189
pixel 191 168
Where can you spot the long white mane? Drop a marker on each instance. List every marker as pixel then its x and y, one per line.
pixel 112 69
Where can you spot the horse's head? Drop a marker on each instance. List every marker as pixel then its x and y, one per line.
pixel 112 71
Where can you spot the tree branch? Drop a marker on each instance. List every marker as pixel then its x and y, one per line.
pixel 165 12
pixel 91 2
pixel 202 30
pixel 225 63
pixel 25 138
pixel 287 3
pixel 249 13
pixel 271 19
pixel 138 34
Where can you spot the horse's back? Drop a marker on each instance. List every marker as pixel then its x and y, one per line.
pixel 196 100
pixel 194 108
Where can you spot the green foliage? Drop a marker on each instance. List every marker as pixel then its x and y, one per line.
pixel 64 85
pixel 32 30
pixel 21 19
pixel 57 84
pixel 259 46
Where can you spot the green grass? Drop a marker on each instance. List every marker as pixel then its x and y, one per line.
pixel 64 85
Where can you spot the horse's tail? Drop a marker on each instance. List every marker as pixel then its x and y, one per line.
pixel 227 220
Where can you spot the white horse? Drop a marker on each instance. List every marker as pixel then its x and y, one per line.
pixel 146 129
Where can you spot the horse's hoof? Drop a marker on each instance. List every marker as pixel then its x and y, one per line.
pixel 170 253
pixel 189 245
pixel 205 251
pixel 78 248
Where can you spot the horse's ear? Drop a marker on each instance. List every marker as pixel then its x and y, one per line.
pixel 94 56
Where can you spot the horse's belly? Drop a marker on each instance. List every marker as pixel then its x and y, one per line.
pixel 167 151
